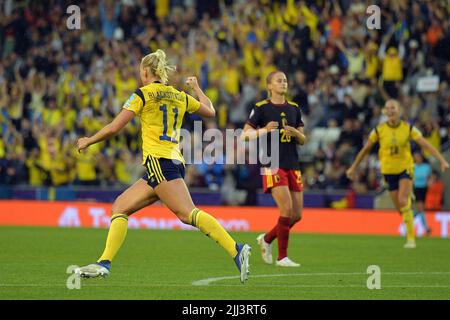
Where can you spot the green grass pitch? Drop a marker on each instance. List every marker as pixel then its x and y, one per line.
pixel 157 264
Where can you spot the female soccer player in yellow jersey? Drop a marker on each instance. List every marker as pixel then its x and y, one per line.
pixel 161 109
pixel 397 164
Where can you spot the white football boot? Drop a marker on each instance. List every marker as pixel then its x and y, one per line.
pixel 266 249
pixel 242 260
pixel 92 271
pixel 410 244
pixel 286 262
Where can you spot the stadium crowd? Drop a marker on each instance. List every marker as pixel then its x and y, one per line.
pixel 58 84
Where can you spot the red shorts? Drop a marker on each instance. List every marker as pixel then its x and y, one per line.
pixel 283 177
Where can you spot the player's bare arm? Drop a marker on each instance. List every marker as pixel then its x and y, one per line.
pixel 424 144
pixel 107 131
pixel 206 107
pixel 298 134
pixel 250 133
pixel 361 155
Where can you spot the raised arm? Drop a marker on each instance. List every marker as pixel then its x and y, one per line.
pixel 206 107
pixel 107 131
pixel 424 144
pixel 361 155
pixel 19 81
pixel 337 8
pixel 340 45
pixel 384 42
pixel 3 95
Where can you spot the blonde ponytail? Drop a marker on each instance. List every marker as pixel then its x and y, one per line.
pixel 158 65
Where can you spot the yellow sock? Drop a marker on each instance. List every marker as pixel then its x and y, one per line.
pixel 116 236
pixel 212 228
pixel 408 218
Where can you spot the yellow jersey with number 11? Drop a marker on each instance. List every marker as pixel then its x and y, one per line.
pixel 161 110
pixel 395 148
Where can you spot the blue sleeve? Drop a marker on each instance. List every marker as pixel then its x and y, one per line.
pixel 429 171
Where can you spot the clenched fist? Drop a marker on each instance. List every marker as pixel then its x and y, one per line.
pixel 83 143
pixel 192 82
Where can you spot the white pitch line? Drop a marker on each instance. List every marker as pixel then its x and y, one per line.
pixel 217 285
pixel 330 286
pixel 207 281
pixel 106 285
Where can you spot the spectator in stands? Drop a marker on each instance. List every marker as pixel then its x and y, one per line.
pixel 433 199
pixel 422 172
pixel 77 80
pixel 392 66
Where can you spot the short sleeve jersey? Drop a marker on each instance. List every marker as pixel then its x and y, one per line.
pixel 395 147
pixel 285 114
pixel 161 110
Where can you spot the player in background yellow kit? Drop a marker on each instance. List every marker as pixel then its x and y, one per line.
pixel 397 164
pixel 161 109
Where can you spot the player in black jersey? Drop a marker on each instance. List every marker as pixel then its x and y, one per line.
pixel 284 182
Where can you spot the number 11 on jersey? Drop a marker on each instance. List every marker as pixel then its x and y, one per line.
pixel 165 136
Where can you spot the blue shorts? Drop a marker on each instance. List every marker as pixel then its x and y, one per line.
pixel 160 169
pixel 393 179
